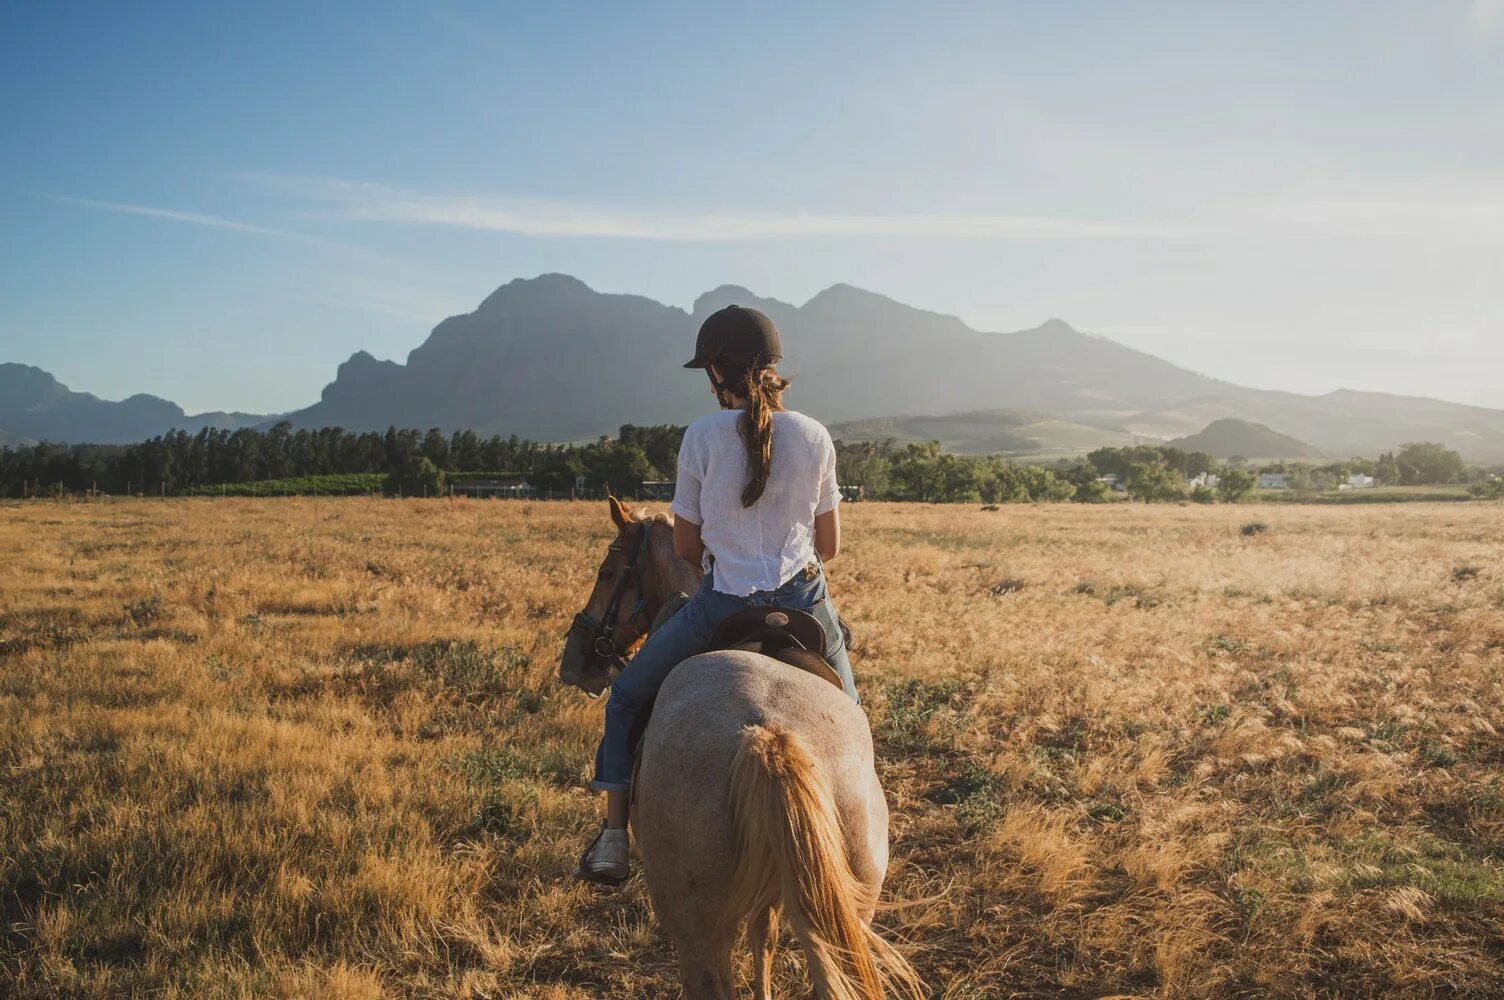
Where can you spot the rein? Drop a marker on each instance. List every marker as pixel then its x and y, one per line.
pixel 601 632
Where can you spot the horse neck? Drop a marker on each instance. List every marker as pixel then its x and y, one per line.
pixel 666 574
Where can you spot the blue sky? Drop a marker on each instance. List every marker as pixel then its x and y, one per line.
pixel 218 203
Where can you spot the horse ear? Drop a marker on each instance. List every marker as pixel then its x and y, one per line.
pixel 619 512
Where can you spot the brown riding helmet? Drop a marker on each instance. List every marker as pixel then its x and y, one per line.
pixel 736 336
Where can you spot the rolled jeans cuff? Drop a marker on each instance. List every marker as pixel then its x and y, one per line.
pixel 598 785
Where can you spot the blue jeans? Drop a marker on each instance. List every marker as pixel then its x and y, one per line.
pixel 682 636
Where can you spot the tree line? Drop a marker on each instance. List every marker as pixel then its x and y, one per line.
pixel 415 462
pixel 1149 473
pixel 179 463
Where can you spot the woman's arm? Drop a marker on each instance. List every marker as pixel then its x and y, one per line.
pixel 687 541
pixel 827 534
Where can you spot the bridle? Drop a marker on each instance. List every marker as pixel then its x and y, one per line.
pixel 600 633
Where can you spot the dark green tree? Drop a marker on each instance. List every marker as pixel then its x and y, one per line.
pixel 417 477
pixel 865 464
pixel 915 473
pixel 1233 484
pixel 1154 481
pixel 1428 462
pixel 618 468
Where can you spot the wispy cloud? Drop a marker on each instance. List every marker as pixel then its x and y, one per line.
pixel 177 215
pixel 358 201
pixel 1398 217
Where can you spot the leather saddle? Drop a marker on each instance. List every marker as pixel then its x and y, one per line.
pixel 785 634
pixel 795 637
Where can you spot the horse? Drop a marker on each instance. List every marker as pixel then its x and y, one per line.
pixel 756 795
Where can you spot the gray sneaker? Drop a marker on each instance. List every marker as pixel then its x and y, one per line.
pixel 606 860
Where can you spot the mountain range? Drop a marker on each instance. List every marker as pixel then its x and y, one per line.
pixel 551 359
pixel 34 406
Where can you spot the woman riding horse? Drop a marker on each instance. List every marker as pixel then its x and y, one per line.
pixel 755 504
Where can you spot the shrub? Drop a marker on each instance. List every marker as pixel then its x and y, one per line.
pixel 1429 462
pixel 1233 484
pixel 1092 491
pixel 415 477
pixel 1151 481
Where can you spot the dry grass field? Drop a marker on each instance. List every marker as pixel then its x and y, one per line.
pixel 316 748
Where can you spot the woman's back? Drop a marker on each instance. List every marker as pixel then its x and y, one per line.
pixel 761 546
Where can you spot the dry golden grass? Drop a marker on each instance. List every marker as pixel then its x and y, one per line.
pixel 314 748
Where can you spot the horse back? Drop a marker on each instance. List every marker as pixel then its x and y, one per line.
pixel 709 699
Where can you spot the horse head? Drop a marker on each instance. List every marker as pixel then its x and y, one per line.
pixel 629 590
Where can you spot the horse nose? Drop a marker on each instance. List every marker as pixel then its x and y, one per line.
pixel 573 656
pixel 572 647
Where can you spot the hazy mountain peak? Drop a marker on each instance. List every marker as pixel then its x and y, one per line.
pixel 365 360
pixel 147 399
pixel 722 291
pixel 35 405
pixel 548 288
pixel 738 295
pixel 18 379
pixel 841 295
pixel 1055 325
pixel 1230 436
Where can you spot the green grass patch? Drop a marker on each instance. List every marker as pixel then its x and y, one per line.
pixel 1386 494
pixel 975 791
pixel 343 484
pixel 912 704
pixel 1229 644
pixel 490 766
pixel 1439 868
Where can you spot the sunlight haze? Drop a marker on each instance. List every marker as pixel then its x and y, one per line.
pixel 219 207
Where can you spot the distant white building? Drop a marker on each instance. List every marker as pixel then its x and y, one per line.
pixel 1274 480
pixel 1359 481
pixel 1206 479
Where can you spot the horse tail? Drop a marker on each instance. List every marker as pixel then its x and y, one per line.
pixel 791 853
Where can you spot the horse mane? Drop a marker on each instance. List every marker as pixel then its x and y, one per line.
pixel 639 516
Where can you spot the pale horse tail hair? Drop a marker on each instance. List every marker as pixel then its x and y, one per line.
pixel 791 853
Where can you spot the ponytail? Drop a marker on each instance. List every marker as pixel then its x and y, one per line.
pixel 763 389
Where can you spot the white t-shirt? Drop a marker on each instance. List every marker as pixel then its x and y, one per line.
pixel 761 546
